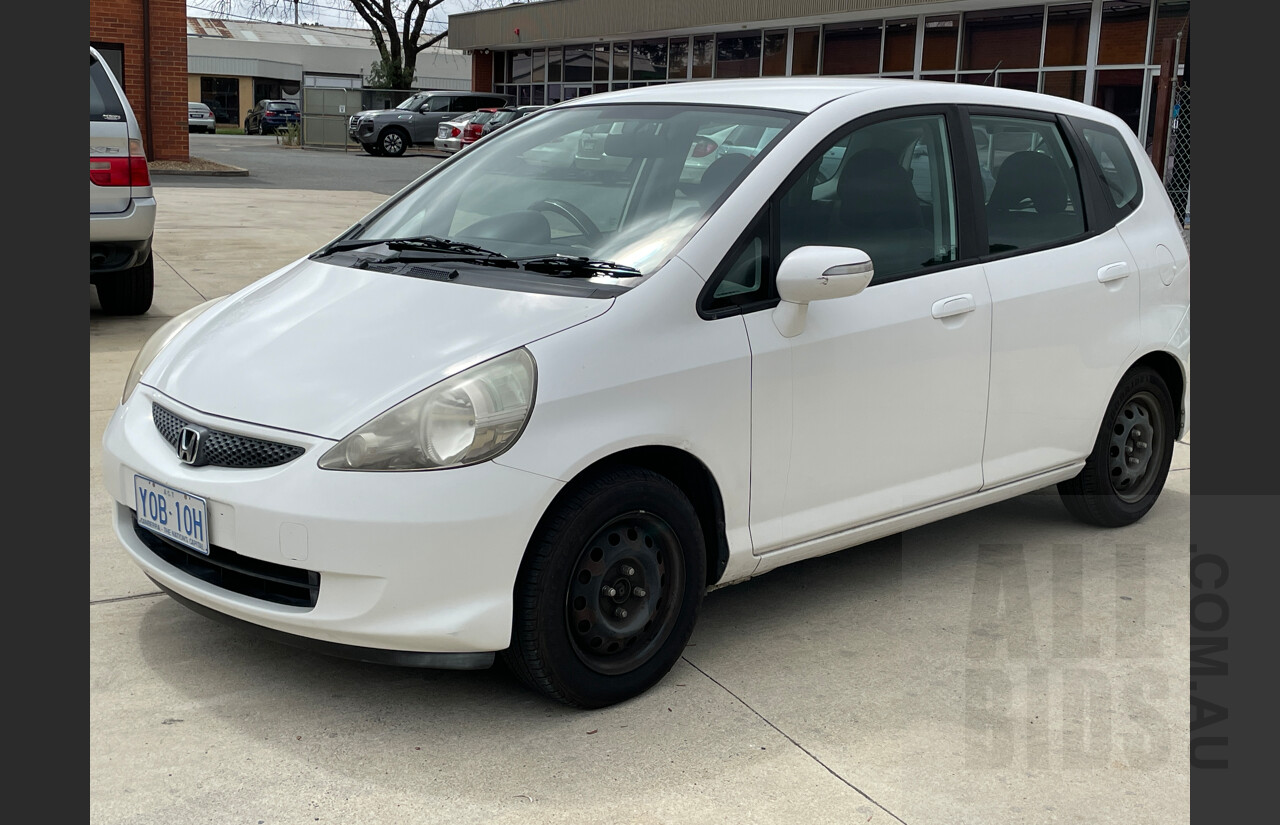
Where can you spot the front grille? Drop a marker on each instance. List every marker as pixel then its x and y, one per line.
pixel 228 570
pixel 223 449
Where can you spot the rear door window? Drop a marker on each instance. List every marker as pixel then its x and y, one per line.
pixel 1031 180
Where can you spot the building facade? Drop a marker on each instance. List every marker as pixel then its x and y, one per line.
pixel 1106 52
pixel 233 64
pixel 144 44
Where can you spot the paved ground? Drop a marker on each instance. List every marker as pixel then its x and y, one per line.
pixel 1005 666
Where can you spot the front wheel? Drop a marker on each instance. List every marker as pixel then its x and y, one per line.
pixel 393 142
pixel 609 591
pixel 1125 472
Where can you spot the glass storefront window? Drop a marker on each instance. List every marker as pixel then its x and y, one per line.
pixel 678 58
pixel 804 51
pixel 941 35
pixel 539 73
pixel 1171 18
pixel 555 64
pixel 500 67
pixel 1009 38
pixel 1064 84
pixel 521 66
pixel 775 53
pixel 1066 39
pixel 577 64
pixel 703 55
pixel 851 48
pixel 602 62
pixel 621 61
pixel 1119 91
pixel 900 45
pixel 1026 81
pixel 1123 38
pixel 649 60
pixel 738 55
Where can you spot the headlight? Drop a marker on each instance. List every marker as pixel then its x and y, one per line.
pixel 467 418
pixel 158 341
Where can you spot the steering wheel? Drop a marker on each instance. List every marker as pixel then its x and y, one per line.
pixel 575 216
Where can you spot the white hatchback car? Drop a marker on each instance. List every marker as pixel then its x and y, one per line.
pixel 522 413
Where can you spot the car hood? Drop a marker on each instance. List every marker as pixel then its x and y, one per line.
pixel 321 349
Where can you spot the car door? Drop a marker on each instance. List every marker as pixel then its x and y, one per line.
pixel 1064 292
pixel 878 405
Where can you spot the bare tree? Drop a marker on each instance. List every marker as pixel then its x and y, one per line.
pixel 397 28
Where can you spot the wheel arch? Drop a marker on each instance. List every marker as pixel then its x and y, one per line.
pixel 684 470
pixel 1167 366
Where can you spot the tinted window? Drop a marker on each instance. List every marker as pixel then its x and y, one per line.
pixel 1032 183
pixel 104 104
pixel 282 107
pixel 1119 173
pixel 885 189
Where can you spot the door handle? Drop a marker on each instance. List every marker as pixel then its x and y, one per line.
pixel 955 305
pixel 1113 272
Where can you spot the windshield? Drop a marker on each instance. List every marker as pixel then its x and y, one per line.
pixel 283 107
pixel 621 183
pixel 412 102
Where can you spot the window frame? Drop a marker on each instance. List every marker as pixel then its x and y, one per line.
pixel 964 172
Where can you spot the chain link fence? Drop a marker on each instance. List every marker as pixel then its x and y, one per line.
pixel 1177 172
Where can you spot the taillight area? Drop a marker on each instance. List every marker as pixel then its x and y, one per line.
pixel 472 132
pixel 704 147
pixel 454 131
pixel 121 171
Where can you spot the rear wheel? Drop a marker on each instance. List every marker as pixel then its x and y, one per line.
pixel 609 591
pixel 1125 472
pixel 393 142
pixel 128 292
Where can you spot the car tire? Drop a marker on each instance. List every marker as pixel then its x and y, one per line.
pixel 609 590
pixel 1126 470
pixel 128 292
pixel 393 142
pixel 372 148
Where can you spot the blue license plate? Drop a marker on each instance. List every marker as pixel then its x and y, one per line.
pixel 172 513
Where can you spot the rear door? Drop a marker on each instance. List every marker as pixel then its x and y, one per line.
pixel 1064 293
pixel 108 136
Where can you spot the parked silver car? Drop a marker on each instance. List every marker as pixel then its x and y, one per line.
pixel 122 207
pixel 200 118
pixel 416 120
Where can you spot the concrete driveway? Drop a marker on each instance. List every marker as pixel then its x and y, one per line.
pixel 1005 666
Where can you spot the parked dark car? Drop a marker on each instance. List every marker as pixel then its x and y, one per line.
pixel 269 115
pixel 507 115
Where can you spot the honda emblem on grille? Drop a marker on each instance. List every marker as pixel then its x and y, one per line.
pixel 189 444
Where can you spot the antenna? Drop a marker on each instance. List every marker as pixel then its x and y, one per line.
pixel 993 72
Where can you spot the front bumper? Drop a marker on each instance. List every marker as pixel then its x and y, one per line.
pixel 407 563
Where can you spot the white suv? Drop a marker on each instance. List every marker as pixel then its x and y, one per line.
pixel 122 208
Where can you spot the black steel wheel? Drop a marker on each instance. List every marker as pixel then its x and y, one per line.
pixel 609 591
pixel 1127 469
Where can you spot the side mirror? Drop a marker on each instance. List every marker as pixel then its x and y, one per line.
pixel 816 273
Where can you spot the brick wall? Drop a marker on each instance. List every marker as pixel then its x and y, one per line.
pixel 163 118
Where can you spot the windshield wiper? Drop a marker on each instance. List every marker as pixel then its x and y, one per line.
pixel 575 266
pixel 424 243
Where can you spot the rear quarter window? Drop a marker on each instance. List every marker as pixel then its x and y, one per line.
pixel 104 103
pixel 1116 167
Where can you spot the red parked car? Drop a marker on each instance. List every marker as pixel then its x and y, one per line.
pixel 472 131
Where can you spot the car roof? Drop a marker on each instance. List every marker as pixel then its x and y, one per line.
pixel 807 94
